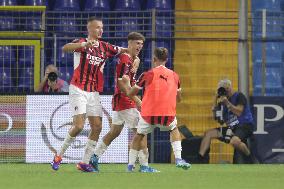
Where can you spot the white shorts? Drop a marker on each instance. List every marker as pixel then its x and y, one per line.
pixel 83 102
pixel 128 117
pixel 145 128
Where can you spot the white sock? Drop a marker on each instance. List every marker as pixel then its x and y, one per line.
pixel 66 143
pixel 89 150
pixel 176 145
pixel 100 149
pixel 133 154
pixel 143 156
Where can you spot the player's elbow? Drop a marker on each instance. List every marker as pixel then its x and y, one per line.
pixel 65 48
pixel 239 113
pixel 129 94
pixel 179 98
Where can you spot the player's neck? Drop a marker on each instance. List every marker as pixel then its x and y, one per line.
pixel 132 55
pixel 159 64
pixel 92 38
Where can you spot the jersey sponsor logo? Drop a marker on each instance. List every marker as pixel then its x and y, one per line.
pixel 94 60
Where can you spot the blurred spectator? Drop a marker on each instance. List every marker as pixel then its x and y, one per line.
pixel 51 82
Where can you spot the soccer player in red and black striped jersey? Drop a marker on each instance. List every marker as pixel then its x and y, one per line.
pixel 125 111
pixel 158 109
pixel 90 55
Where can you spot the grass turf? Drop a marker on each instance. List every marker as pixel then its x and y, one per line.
pixel 114 176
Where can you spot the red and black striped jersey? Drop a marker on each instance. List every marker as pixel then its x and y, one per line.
pixel 123 67
pixel 89 64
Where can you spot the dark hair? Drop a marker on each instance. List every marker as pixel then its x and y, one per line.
pixel 135 36
pixel 161 53
pixel 93 18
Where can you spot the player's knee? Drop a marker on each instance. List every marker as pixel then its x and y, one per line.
pixel 235 142
pixel 209 134
pixel 79 126
pixel 138 137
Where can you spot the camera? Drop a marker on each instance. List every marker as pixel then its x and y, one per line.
pixel 221 91
pixel 218 110
pixel 218 113
pixel 229 134
pixel 52 76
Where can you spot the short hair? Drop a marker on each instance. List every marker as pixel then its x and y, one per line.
pixel 53 67
pixel 135 36
pixel 225 83
pixel 93 18
pixel 161 53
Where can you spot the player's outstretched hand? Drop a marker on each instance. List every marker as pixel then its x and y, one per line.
pixel 89 43
pixel 125 78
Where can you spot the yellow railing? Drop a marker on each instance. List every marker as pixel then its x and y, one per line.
pixel 36 44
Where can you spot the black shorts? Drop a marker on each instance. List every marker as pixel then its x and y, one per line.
pixel 243 131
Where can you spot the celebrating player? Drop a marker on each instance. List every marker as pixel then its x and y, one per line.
pixel 90 55
pixel 124 108
pixel 162 90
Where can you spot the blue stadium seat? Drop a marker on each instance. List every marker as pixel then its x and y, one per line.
pixel 34 21
pixel 26 56
pixel 5 79
pixel 35 24
pixel 7 23
pixel 36 2
pixel 272 5
pixel 97 5
pixel 163 27
pixel 273 52
pixel 159 4
pixel 127 5
pixel 8 2
pixel 126 25
pixel 66 26
pixel 26 79
pixel 273 83
pixel 66 73
pixel 147 51
pixel 62 58
pixel 273 25
pixel 67 5
pixel 7 55
pixel 257 5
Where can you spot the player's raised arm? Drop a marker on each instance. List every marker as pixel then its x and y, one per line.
pixel 70 47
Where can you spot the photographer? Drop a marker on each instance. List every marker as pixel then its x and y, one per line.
pixel 231 110
pixel 51 82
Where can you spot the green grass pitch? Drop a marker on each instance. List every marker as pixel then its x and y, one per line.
pixel 114 176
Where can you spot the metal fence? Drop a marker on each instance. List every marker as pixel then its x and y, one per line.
pixel 203 48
